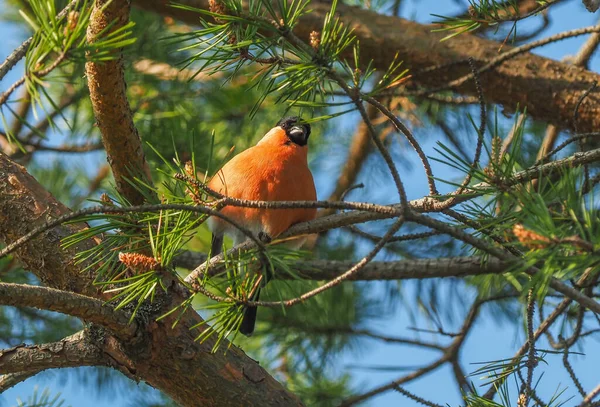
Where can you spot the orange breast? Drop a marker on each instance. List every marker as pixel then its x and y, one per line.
pixel 273 170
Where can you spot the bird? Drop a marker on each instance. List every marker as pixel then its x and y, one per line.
pixel 275 169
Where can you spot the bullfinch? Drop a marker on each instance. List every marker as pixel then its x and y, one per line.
pixel 275 169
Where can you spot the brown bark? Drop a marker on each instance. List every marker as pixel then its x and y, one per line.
pixel 51 299
pixel 549 89
pixel 25 205
pixel 107 86
pixel 73 351
pixel 167 358
pixel 12 379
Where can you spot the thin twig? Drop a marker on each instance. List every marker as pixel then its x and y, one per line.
pixel 415 397
pixel 480 135
pixel 495 62
pixel 586 170
pixel 587 401
pixel 40 74
pixel 542 328
pixel 402 238
pixel 330 284
pixel 564 144
pixel 20 52
pixel 131 209
pixel 411 139
pixel 480 244
pixel 448 356
pixel 531 359
pixel 571 372
pixel 356 98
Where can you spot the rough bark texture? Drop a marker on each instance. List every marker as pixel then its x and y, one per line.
pixel 73 351
pixel 84 307
pixel 107 86
pixel 25 205
pixel 169 359
pixel 549 89
pixel 12 379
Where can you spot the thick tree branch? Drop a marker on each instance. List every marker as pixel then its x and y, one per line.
pixel 12 379
pixel 549 89
pixel 106 82
pixel 164 347
pixel 77 305
pixel 378 270
pixel 26 205
pixel 367 212
pixel 72 351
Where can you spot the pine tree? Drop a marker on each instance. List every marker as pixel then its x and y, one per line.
pixel 107 264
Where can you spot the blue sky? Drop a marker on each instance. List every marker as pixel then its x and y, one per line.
pixel 490 340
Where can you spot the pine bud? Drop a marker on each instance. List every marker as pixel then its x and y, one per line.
pixel 189 169
pixel 139 262
pixel 105 199
pixel 72 19
pixel 529 238
pixel 215 6
pixel 315 40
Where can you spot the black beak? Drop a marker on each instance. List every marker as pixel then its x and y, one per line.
pixel 296 133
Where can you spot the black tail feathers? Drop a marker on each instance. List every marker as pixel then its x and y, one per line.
pixel 216 245
pixel 249 318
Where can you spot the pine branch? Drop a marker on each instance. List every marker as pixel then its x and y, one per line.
pixel 322 270
pixel 542 328
pixel 480 244
pixel 20 52
pixel 372 212
pixel 24 205
pixel 50 299
pixel 72 351
pixel 360 147
pixel 12 379
pixel 587 401
pixel 549 91
pixel 449 355
pixel 107 86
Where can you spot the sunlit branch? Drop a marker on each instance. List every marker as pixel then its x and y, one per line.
pixel 77 305
pixel 72 351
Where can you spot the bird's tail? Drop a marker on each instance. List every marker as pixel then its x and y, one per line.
pixel 249 318
pixel 216 245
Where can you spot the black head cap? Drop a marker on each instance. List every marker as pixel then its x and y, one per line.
pixel 296 131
